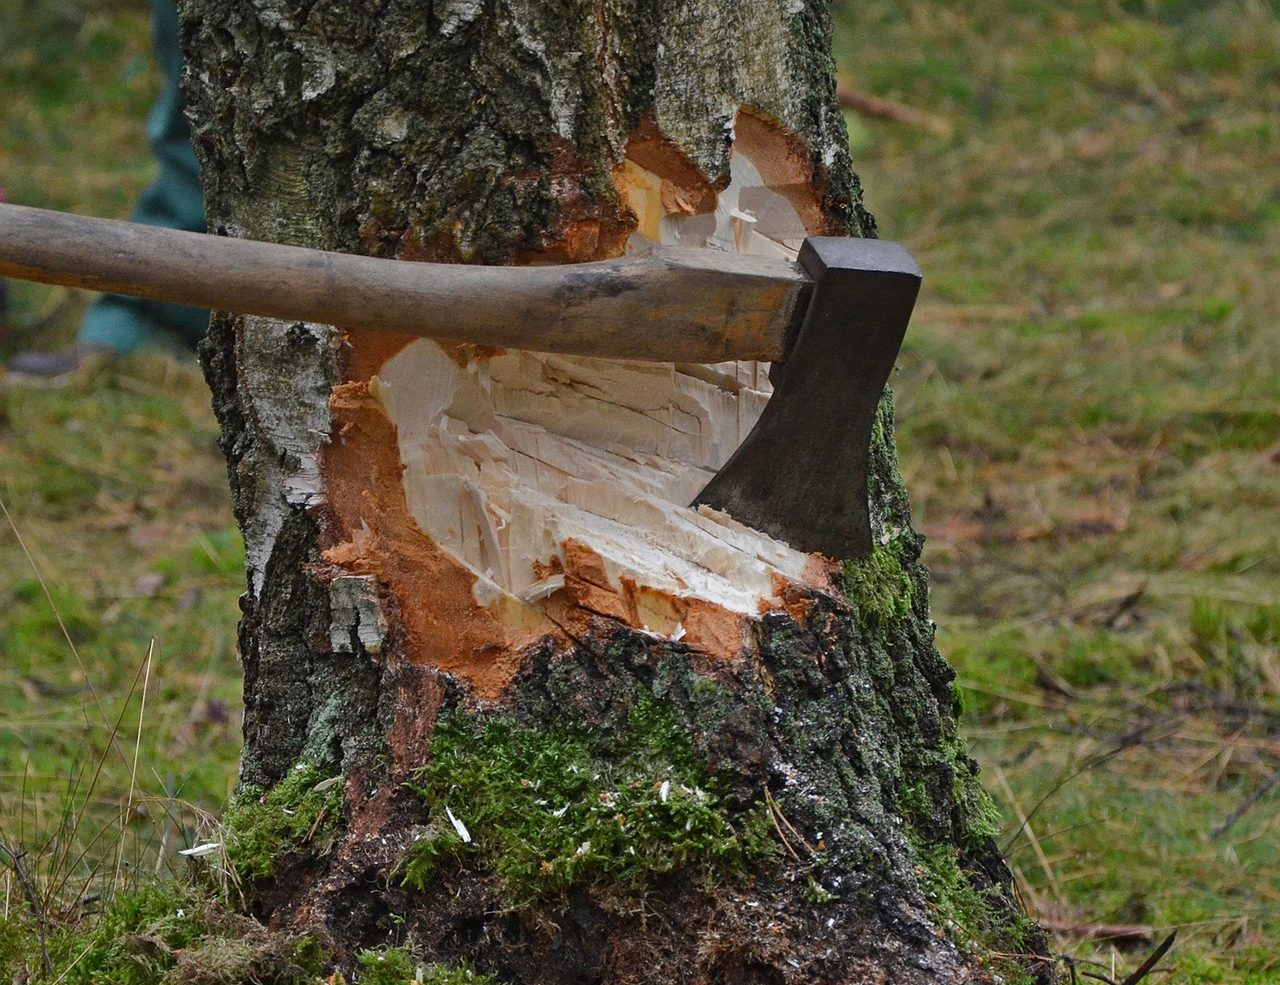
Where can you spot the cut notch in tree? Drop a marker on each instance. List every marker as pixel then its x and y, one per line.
pixel 561 484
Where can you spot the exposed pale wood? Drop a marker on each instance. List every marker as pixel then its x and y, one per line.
pixel 507 458
pixel 665 304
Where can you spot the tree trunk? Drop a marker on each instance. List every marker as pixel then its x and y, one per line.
pixel 587 734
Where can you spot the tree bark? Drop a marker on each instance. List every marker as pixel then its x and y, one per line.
pixel 473 589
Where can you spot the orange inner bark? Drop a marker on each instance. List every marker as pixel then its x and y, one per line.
pixel 436 619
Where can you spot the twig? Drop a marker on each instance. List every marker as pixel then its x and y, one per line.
pixel 1255 795
pixel 884 109
pixel 315 825
pixel 33 900
pixel 777 827
pixel 1123 742
pixel 1125 606
pixel 1099 931
pixel 1144 969
pixel 170 828
pixel 62 871
pixel 1079 963
pixel 1202 697
pixel 773 805
pixel 133 774
pixel 1024 825
pixel 57 615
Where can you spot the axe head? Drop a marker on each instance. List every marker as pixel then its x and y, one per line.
pixel 801 474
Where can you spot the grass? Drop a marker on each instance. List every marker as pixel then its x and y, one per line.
pixel 395 966
pixel 161 933
pixel 1087 421
pixel 123 584
pixel 119 559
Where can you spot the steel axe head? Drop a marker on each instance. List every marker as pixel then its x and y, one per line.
pixel 801 474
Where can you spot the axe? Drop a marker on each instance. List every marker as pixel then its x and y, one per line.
pixel 831 324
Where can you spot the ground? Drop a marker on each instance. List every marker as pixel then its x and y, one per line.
pixel 1088 426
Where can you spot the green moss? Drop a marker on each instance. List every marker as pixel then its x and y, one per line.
pixel 976 918
pixel 555 809
pixel 958 907
pixel 950 824
pixel 914 804
pixel 964 811
pixel 395 966
pixel 389 966
pixel 818 895
pixel 975 817
pixel 879 585
pixel 170 917
pixel 976 813
pixel 262 827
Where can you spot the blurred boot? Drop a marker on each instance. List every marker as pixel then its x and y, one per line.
pixel 52 366
pixel 114 324
pixel 173 200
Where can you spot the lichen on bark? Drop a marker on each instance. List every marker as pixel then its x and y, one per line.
pixel 493 133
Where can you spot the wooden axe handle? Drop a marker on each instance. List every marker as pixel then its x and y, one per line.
pixel 664 305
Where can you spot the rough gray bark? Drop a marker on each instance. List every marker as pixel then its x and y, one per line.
pixel 491 132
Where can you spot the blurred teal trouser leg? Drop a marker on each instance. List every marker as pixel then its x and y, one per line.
pixel 172 200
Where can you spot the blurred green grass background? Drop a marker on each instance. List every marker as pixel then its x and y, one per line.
pixel 1089 423
pixel 1089 414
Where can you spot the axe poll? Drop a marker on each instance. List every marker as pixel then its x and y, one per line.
pixel 831 324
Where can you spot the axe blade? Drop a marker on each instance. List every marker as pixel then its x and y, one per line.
pixel 801 474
